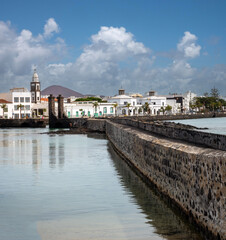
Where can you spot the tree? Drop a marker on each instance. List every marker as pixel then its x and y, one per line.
pixel 215 92
pixel 146 107
pixel 88 99
pixel 140 110
pixel 95 105
pixel 3 106
pixel 128 106
pixel 20 106
pixel 168 108
pixel 162 109
pixel 115 107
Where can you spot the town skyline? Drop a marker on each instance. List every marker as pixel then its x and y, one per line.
pixel 95 47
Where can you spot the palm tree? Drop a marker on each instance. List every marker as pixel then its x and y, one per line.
pixel 146 107
pixel 3 106
pixel 20 106
pixel 95 105
pixel 115 107
pixel 128 106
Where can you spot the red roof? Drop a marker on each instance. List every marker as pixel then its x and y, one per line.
pixel 4 101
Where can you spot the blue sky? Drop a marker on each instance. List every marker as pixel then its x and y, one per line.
pixel 95 46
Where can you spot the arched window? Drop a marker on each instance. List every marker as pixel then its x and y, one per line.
pixel 124 111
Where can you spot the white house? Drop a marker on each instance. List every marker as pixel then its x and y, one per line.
pixel 6 109
pixel 126 104
pixel 21 100
pixel 156 103
pixel 88 109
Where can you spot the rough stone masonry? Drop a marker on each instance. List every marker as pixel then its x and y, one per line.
pixel 192 176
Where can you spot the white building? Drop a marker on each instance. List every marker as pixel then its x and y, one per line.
pixel 88 109
pixel 21 100
pixel 188 98
pixel 6 109
pixel 156 103
pixel 126 105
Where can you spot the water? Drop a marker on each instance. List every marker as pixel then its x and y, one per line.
pixel 75 187
pixel 214 125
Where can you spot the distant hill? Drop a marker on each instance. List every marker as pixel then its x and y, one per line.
pixel 56 90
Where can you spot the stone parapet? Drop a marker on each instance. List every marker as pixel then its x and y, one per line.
pixel 192 176
pixel 20 123
pixel 175 131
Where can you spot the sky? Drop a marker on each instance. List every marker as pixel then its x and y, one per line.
pixel 99 46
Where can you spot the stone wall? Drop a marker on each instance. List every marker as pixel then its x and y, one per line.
pixel 180 116
pixel 192 177
pixel 175 131
pixel 26 123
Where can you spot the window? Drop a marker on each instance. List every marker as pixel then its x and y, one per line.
pixel 16 107
pixel 27 99
pixel 33 98
pixel 38 88
pixel 16 99
pixel 32 87
pixel 38 98
pixel 111 109
pixel 16 116
pixel 133 103
pixel 125 103
pixel 21 99
pixel 154 103
pixel 27 107
pixel 105 110
pixel 162 103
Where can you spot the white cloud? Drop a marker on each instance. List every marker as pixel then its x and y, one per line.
pixel 50 27
pixel 18 52
pixel 113 58
pixel 188 46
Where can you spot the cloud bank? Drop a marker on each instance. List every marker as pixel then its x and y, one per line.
pixel 112 59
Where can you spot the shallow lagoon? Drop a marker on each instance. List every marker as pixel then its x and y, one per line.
pixel 66 187
pixel 214 125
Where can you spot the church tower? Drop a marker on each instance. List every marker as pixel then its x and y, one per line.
pixel 35 88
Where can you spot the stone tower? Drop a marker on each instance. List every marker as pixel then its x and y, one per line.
pixel 35 88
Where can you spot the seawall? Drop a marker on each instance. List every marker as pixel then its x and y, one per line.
pixel 187 166
pixel 20 123
pixel 177 131
pixel 193 177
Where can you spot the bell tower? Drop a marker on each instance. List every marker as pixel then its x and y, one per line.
pixel 35 88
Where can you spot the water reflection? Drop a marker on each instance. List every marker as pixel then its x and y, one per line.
pixel 167 222
pixel 52 151
pixel 56 151
pixel 61 152
pixel 70 187
pixel 36 153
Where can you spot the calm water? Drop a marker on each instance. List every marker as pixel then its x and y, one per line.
pixel 69 187
pixel 214 125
